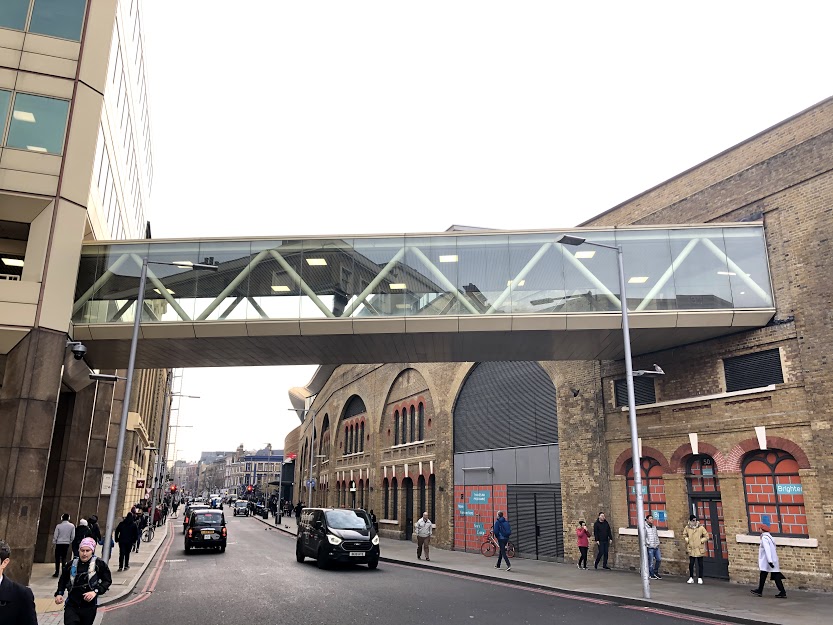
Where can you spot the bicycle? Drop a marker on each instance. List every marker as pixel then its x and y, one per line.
pixel 490 546
pixel 147 534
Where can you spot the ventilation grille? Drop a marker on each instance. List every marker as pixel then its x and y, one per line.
pixel 643 391
pixel 753 370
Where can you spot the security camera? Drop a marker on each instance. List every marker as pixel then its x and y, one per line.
pixel 78 349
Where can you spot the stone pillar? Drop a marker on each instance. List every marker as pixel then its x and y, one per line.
pixel 581 435
pixel 28 402
pixel 97 450
pixel 110 456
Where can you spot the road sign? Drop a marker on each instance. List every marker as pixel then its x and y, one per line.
pixel 311 483
pixel 140 483
pixel 107 484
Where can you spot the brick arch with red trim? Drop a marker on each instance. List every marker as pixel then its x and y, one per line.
pixel 683 451
pixel 619 466
pixel 733 463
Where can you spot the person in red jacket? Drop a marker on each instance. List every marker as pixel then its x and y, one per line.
pixel 583 538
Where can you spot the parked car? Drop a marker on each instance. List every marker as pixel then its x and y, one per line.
pixel 337 535
pixel 189 509
pixel 241 507
pixel 206 530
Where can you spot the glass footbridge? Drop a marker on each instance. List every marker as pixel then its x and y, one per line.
pixel 453 296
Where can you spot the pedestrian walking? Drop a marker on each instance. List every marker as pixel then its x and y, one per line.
pixel 82 530
pixel 502 532
pixel 603 536
pixel 298 507
pixel 424 529
pixel 769 565
pixel 374 521
pixel 652 541
pixel 175 506
pixel 17 603
pixel 86 578
pixel 696 537
pixel 95 529
pixel 62 539
pixel 141 521
pixel 127 533
pixel 583 540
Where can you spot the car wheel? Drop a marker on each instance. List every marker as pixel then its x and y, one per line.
pixel 373 564
pixel 299 553
pixel 323 561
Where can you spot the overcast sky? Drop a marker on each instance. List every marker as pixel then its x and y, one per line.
pixel 292 118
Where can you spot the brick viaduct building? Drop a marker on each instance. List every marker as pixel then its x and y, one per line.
pixel 738 431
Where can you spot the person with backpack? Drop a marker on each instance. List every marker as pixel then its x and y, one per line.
pixel 86 578
pixel 95 529
pixel 502 532
pixel 81 532
pixel 62 539
pixel 127 533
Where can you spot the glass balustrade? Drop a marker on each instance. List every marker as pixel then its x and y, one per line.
pixel 447 274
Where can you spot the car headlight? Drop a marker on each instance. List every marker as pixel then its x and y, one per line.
pixel 375 540
pixel 334 540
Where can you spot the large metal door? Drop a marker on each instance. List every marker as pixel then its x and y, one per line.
pixel 716 560
pixel 535 516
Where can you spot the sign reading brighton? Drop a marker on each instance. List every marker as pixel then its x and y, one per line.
pixel 789 489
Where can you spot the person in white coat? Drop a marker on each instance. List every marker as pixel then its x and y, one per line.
pixel 768 564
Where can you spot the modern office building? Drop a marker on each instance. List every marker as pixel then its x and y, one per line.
pixel 739 429
pixel 75 164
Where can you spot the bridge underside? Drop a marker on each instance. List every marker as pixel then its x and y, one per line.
pixel 447 339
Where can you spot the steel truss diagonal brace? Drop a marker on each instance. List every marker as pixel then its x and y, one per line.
pixel 591 276
pixel 360 299
pixel 163 290
pixel 527 268
pixel 440 276
pixel 303 285
pixel 667 275
pixel 232 285
pixel 735 268
pixel 105 277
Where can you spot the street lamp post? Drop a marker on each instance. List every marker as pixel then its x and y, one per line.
pixel 629 373
pixel 131 362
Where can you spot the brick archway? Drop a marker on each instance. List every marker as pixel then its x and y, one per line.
pixel 619 466
pixel 733 463
pixel 683 451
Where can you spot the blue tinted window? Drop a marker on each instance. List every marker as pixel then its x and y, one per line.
pixel 38 123
pixel 13 13
pixel 58 18
pixel 5 97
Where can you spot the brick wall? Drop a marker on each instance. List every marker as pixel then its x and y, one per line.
pixel 475 515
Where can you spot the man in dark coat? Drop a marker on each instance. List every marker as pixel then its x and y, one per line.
pixel 126 535
pixel 85 577
pixel 17 603
pixel 603 536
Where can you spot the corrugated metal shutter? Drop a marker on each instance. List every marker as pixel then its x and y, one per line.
pixel 505 404
pixel 536 509
pixel 753 370
pixel 643 391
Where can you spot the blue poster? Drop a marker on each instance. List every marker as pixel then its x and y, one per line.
pixel 765 519
pixel 468 513
pixel 479 529
pixel 461 506
pixel 644 490
pixel 479 497
pixel 660 516
pixel 789 489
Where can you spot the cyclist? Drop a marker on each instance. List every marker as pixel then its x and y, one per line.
pixel 502 532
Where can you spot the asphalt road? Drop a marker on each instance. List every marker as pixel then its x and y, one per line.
pixel 257 580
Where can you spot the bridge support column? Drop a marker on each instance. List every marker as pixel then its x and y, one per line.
pixel 28 403
pixel 109 462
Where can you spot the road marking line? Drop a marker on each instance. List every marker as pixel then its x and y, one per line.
pixel 679 615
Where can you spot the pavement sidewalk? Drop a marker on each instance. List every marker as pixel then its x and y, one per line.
pixel 715 599
pixel 43 585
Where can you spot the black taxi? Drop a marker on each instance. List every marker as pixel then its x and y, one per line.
pixel 206 530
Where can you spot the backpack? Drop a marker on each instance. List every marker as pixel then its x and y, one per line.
pixel 92 577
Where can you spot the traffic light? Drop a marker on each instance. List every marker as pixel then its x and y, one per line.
pixel 173 488
pixel 249 488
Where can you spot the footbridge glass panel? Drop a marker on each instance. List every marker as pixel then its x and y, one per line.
pixel 446 274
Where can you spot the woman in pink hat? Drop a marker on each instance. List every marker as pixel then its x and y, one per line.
pixel 85 577
pixel 768 564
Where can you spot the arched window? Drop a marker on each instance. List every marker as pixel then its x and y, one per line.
pixel 774 493
pixel 701 475
pixel 361 437
pixel 653 492
pixel 386 496
pixel 404 431
pixel 338 494
pixel 346 440
pixel 421 490
pixel 396 428
pixel 421 421
pixel 394 513
pixel 413 424
pixel 432 500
